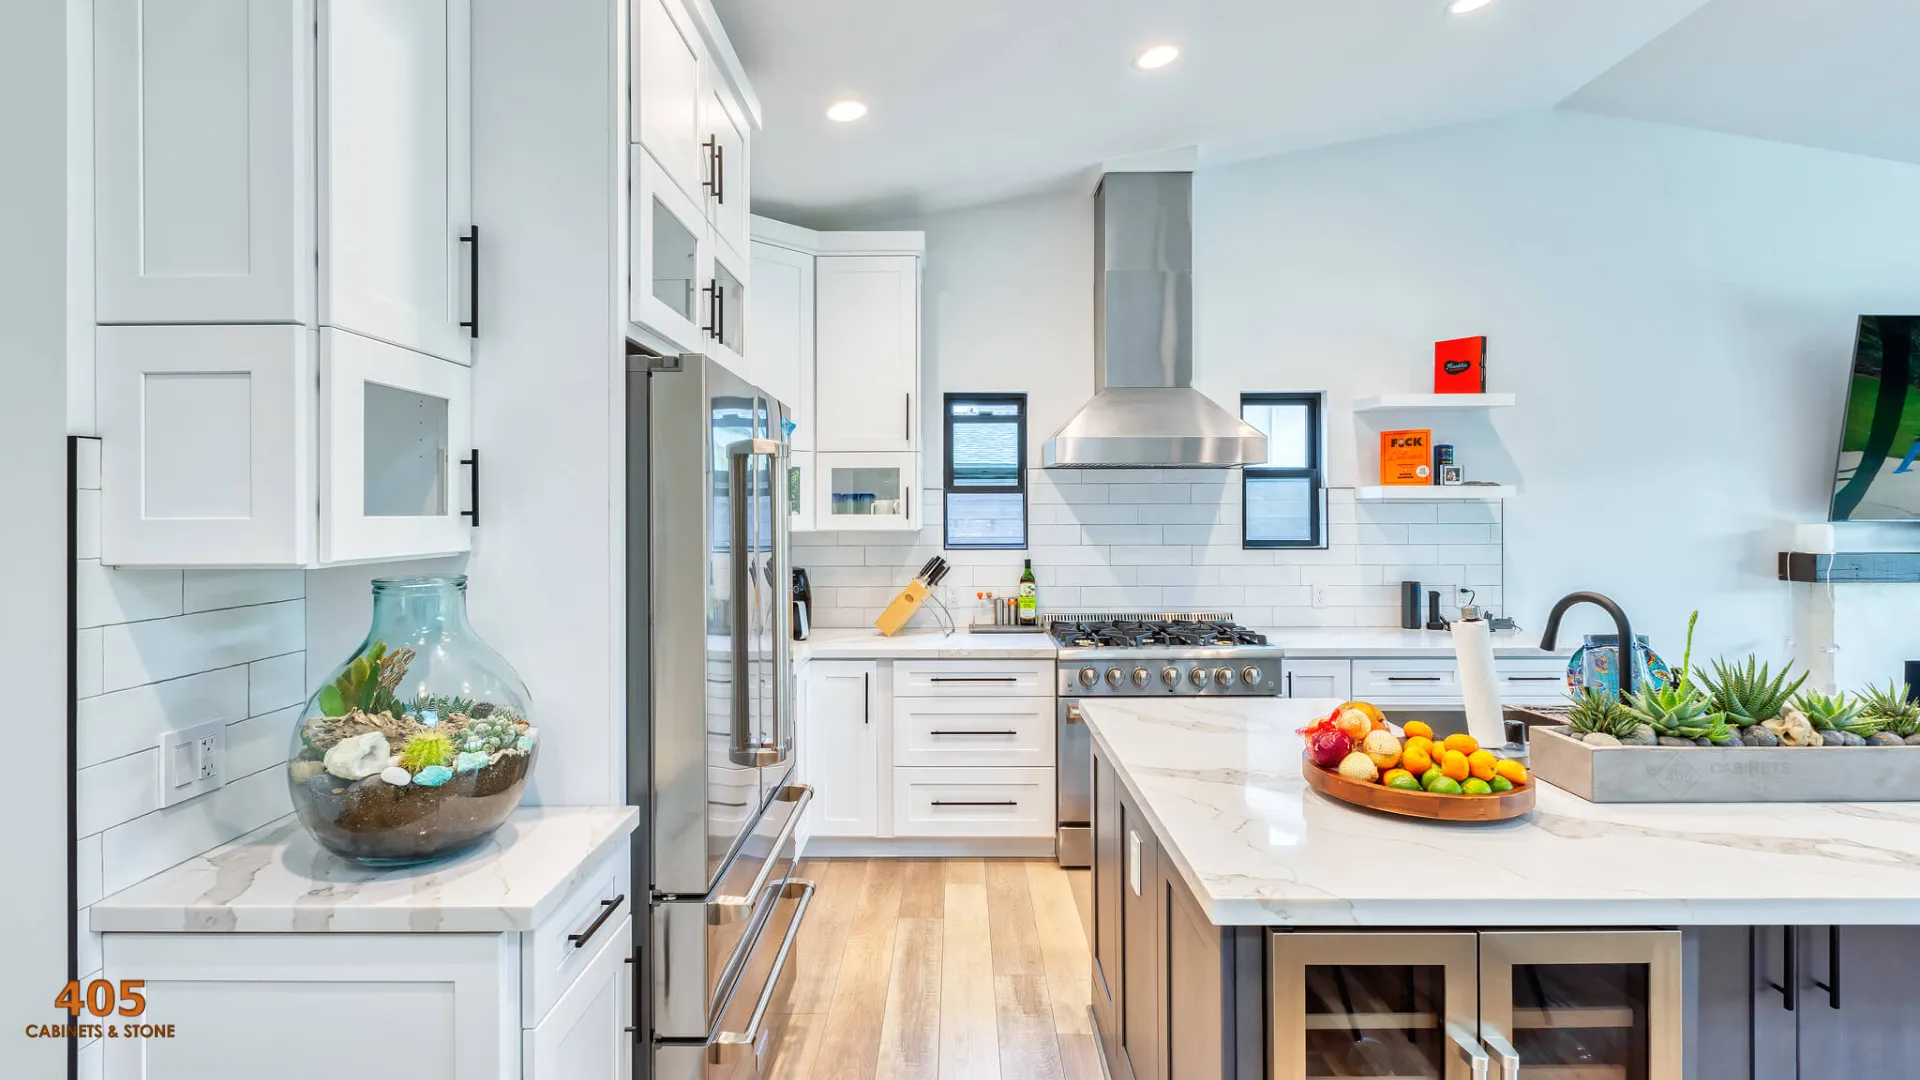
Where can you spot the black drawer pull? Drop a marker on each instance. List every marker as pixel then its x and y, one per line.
pixel 607 908
pixel 1413 678
pixel 974 678
pixel 1000 802
pixel 941 731
pixel 1535 678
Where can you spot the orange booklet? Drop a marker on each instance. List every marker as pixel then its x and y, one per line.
pixel 1406 458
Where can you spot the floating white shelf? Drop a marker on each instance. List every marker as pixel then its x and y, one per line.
pixel 1436 493
pixel 1402 402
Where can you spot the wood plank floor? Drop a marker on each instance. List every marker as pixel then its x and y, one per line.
pixel 941 969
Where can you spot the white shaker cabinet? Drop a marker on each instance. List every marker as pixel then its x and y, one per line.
pixel 780 325
pixel 729 172
pixel 867 352
pixel 844 718
pixel 668 90
pixel 203 159
pixel 584 1036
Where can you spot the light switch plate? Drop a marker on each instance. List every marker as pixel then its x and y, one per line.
pixel 193 761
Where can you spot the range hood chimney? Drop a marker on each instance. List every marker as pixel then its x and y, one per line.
pixel 1145 412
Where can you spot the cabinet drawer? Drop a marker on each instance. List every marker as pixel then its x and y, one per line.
pixel 1406 680
pixel 973 802
pixel 1001 732
pixel 975 678
pixel 1532 681
pixel 554 953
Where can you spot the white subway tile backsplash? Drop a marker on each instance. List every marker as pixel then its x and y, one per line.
pixel 128 721
pixel 1210 597
pixel 86 865
pixel 1150 555
pixel 1468 513
pixel 119 790
pixel 1107 575
pixel 1198 513
pixel 276 682
pixel 1119 534
pixel 812 557
pixel 1053 535
pixel 1406 513
pixel 1150 493
pixel 1129 598
pixel 1098 514
pixel 1395 554
pixel 1350 574
pixel 109 595
pixel 1188 576
pixel 87 465
pixel 1448 534
pixel 263 741
pixel 207 590
pixel 86 524
pixel 1061 555
pixel 88 662
pixel 1279 596
pixel 141 848
pixel 138 653
pixel 1202 535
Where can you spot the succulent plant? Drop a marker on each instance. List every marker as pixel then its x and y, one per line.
pixel 367 683
pixel 1598 712
pixel 1836 713
pixel 1681 712
pixel 1749 693
pixel 424 749
pixel 442 705
pixel 1891 706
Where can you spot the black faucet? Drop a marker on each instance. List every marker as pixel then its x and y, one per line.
pixel 1620 624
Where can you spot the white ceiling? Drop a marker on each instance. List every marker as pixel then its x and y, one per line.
pixel 1837 74
pixel 984 99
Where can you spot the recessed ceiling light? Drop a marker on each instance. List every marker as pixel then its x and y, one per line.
pixel 1462 7
pixel 1158 56
pixel 843 111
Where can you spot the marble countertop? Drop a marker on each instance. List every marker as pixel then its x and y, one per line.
pixel 1220 782
pixel 1304 643
pixel 866 643
pixel 277 880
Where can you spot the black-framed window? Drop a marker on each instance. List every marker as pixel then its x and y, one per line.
pixel 986 473
pixel 1283 500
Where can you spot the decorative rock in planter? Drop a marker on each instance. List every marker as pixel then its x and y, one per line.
pixel 397 776
pixel 358 757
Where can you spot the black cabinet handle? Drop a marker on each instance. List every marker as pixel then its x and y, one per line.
pixel 1413 678
pixel 907 427
pixel 472 321
pixel 975 678
pixel 719 173
pixel 1001 802
pixel 1832 985
pixel 712 293
pixel 472 462
pixel 1535 678
pixel 712 183
pixel 866 699
pixel 607 908
pixel 1789 984
pixel 1289 684
pixel 938 731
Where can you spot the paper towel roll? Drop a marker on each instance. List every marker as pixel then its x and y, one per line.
pixel 1479 685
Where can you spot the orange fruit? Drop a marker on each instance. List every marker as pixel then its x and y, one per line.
pixel 1418 728
pixel 1416 759
pixel 1454 766
pixel 1391 773
pixel 1515 772
pixel 1480 763
pixel 1466 744
pixel 1421 741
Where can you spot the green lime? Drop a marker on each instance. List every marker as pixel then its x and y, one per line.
pixel 1499 784
pixel 1404 783
pixel 1432 777
pixel 1476 786
pixel 1447 785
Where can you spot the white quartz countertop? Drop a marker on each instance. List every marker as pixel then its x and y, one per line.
pixel 866 643
pixel 1305 643
pixel 1220 782
pixel 276 879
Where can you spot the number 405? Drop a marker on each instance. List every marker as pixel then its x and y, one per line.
pixel 101 997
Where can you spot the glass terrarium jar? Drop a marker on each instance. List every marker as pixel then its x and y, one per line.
pixel 420 744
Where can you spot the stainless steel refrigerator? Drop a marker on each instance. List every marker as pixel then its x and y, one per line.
pixel 710 695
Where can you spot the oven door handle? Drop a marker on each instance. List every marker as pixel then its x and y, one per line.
pixel 727 1047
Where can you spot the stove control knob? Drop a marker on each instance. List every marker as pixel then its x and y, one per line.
pixel 1170 676
pixel 1198 676
pixel 1088 676
pixel 1114 676
pixel 1250 676
pixel 1223 677
pixel 1140 676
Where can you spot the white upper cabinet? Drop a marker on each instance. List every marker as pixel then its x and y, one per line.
pixel 780 325
pixel 203 157
pixel 671 258
pixel 728 170
pixel 395 173
pixel 668 89
pixel 867 352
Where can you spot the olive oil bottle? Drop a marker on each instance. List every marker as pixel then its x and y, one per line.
pixel 1029 601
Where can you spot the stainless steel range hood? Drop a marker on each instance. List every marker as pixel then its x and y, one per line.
pixel 1145 412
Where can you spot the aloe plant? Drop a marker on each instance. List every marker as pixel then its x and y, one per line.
pixel 367 683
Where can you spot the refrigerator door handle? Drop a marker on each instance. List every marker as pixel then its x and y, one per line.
pixel 780 577
pixel 744 748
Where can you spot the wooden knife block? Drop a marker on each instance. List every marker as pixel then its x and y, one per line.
pixel 902 609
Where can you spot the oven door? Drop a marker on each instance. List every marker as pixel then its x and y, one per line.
pixel 1073 775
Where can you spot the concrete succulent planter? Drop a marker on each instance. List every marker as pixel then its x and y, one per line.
pixel 1697 774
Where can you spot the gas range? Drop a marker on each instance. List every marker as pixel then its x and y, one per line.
pixel 1163 654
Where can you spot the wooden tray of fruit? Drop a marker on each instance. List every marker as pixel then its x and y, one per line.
pixel 1354 755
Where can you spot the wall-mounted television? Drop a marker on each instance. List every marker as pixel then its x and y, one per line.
pixel 1878 475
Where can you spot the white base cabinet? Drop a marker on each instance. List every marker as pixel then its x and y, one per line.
pixel 843 722
pixel 1430 682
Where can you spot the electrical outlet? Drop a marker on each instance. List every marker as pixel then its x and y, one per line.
pixel 193 761
pixel 1320 596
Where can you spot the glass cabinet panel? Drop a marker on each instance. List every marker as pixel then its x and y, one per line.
pixel 676 260
pixel 1379 1005
pixel 730 308
pixel 865 491
pixel 1584 1006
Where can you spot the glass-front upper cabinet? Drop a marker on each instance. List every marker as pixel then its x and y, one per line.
pixel 668 287
pixel 1585 1006
pixel 873 492
pixel 1366 1004
pixel 725 314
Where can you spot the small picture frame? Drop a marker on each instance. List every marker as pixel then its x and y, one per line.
pixel 1452 476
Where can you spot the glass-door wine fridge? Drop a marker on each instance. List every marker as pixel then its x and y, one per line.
pixel 1472 1005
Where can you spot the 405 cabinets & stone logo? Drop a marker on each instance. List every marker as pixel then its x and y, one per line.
pixel 101 999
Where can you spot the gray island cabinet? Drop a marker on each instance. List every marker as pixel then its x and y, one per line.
pixel 1246 927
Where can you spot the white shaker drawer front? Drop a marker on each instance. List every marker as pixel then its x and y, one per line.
pixel 973 802
pixel 1000 732
pixel 1531 681
pixel 978 678
pixel 554 953
pixel 1405 680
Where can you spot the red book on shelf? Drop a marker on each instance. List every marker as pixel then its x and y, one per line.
pixel 1460 366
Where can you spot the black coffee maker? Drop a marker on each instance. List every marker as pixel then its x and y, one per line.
pixel 802 604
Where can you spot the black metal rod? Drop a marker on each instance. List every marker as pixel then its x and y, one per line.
pixel 712 183
pixel 975 678
pixel 472 461
pixel 1789 984
pixel 472 321
pixel 719 173
pixel 938 731
pixel 607 908
pixel 866 698
pixel 1832 985
pixel 1621 626
pixel 1001 802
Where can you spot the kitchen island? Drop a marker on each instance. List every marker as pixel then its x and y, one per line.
pixel 1248 926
